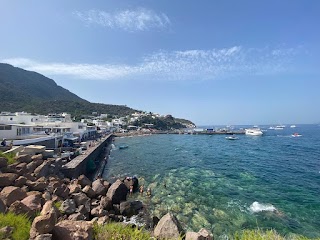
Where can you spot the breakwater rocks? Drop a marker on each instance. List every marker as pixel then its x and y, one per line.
pixel 70 207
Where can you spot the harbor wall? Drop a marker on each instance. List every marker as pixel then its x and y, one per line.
pixel 79 165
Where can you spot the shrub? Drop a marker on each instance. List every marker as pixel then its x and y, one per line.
pixel 21 225
pixel 9 156
pixel 117 231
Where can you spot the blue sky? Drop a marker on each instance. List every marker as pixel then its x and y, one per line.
pixel 213 62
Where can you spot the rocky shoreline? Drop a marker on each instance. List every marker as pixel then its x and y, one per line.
pixel 70 207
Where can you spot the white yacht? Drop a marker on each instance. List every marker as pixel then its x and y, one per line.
pixel 254 131
pixel 293 126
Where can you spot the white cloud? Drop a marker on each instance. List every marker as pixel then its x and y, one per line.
pixel 176 65
pixel 129 20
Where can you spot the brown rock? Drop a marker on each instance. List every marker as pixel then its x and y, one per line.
pixel 6 232
pixel 117 192
pixel 71 230
pixel 3 207
pixel 74 188
pixel 21 168
pixel 37 157
pixel 76 217
pixel 3 162
pixel 25 158
pixel 89 191
pixel 43 224
pixel 99 188
pixel 130 208
pixel 33 202
pixel 98 212
pixel 106 203
pixel 84 181
pixel 37 185
pixel 205 234
pixel 19 208
pixel 20 181
pixel 80 198
pixel 7 179
pixel 168 227
pixel 62 191
pixel 11 194
pixel 33 165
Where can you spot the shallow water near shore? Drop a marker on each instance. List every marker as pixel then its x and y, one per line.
pixel 271 181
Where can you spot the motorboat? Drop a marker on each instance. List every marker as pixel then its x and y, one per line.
pixel 293 126
pixel 280 127
pixel 254 131
pixel 232 138
pixel 296 135
pixel 123 146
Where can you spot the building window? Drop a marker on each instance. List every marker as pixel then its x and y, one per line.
pixel 5 127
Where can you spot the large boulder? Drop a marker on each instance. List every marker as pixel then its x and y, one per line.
pixel 7 179
pixel 43 224
pixel 11 194
pixel 33 165
pixel 130 208
pixel 21 168
pixel 84 181
pixel 70 230
pixel 168 227
pixel 99 188
pixel 117 192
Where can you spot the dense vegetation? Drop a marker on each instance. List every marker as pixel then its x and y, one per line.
pixel 28 91
pixel 162 123
pixel 20 223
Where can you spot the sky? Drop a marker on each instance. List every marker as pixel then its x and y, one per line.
pixel 212 62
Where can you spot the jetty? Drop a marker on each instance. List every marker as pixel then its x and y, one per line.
pixel 79 165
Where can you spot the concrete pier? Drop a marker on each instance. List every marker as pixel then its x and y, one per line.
pixel 78 165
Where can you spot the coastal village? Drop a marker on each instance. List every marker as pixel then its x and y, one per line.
pixel 50 173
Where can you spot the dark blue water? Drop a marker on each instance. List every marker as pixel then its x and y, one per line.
pixel 272 181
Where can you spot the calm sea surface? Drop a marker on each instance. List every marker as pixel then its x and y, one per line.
pixel 271 181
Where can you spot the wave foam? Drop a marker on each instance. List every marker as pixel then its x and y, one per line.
pixel 261 207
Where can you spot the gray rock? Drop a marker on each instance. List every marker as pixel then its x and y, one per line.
pixel 98 212
pixel 168 227
pixel 37 185
pixel 80 198
pixel 43 169
pixel 130 208
pixel 106 203
pixel 77 217
pixel 21 168
pixel 62 191
pixel 117 192
pixel 33 165
pixel 7 179
pixel 74 188
pixel 68 206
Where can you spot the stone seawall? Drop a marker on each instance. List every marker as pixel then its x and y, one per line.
pixel 78 165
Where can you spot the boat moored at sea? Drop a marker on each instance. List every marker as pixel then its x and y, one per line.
pixel 232 138
pixel 296 135
pixel 254 132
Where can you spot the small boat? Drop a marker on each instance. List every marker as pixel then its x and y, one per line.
pixel 123 146
pixel 293 126
pixel 296 135
pixel 253 132
pixel 280 127
pixel 232 138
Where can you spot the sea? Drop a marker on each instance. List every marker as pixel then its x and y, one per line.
pixel 266 182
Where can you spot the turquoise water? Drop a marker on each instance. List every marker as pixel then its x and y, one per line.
pixel 271 181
